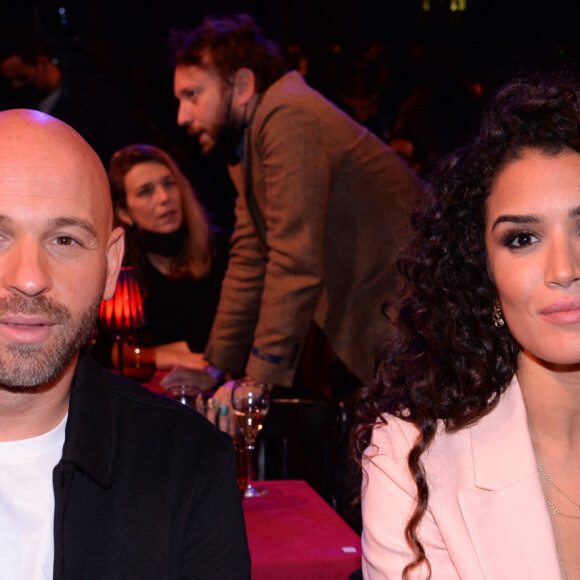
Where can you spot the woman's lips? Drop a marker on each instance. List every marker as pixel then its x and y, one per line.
pixel 25 329
pixel 562 312
pixel 169 215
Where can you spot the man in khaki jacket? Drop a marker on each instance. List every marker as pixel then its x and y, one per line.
pixel 321 208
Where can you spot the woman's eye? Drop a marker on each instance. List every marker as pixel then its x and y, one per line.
pixel 144 191
pixel 520 240
pixel 169 183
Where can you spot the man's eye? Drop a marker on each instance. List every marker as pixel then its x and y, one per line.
pixel 65 241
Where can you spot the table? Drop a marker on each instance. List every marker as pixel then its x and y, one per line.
pixel 294 534
pixel 154 383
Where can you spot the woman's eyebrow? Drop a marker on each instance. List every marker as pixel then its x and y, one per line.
pixel 528 219
pixel 517 219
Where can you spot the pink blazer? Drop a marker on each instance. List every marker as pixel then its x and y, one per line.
pixel 487 516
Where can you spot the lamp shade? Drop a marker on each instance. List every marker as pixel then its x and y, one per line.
pixel 124 310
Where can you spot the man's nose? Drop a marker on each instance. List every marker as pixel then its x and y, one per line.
pixel 24 269
pixel 184 114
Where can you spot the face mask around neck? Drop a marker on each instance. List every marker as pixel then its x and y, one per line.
pixel 167 245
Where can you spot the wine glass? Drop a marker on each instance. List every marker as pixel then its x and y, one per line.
pixel 250 402
pixel 186 394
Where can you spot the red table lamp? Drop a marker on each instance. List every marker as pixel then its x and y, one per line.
pixel 124 311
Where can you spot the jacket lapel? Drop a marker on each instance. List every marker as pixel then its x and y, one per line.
pixel 90 440
pixel 506 514
pixel 251 203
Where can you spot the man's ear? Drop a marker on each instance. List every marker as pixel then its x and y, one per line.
pixel 115 251
pixel 244 85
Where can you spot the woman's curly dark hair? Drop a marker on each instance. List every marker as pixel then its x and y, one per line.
pixel 445 360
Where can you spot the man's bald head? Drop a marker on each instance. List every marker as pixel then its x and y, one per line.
pixel 58 253
pixel 36 146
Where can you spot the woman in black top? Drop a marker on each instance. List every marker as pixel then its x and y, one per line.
pixel 180 258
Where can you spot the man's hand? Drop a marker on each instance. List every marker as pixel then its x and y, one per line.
pixel 184 376
pixel 225 418
pixel 177 354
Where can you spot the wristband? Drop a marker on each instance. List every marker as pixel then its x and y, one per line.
pixel 215 373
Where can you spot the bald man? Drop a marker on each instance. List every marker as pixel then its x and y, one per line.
pixel 99 478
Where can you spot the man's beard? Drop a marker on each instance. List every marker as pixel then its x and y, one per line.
pixel 33 365
pixel 227 143
pixel 228 135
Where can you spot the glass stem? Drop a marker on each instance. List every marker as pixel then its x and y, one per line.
pixel 120 352
pixel 249 450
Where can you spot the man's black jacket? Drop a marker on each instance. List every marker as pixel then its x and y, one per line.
pixel 146 488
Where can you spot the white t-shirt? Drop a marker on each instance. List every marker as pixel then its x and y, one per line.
pixel 27 505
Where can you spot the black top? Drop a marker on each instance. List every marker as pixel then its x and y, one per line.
pixel 178 310
pixel 146 488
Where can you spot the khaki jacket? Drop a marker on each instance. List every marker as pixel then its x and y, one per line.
pixel 321 210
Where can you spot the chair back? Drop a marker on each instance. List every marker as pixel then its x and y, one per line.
pixel 302 439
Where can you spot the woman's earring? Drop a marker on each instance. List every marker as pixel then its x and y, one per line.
pixel 497 314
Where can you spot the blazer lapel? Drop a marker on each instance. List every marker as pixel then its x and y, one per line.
pixel 506 514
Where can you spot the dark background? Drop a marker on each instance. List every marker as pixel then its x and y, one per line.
pixel 120 32
pixel 126 40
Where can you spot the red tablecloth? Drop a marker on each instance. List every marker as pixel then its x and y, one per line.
pixel 294 534
pixel 154 383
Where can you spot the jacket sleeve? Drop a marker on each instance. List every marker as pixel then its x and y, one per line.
pixel 296 168
pixel 388 500
pixel 241 292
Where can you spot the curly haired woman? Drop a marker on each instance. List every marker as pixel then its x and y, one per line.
pixel 470 438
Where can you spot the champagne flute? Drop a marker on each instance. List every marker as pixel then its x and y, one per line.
pixel 250 402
